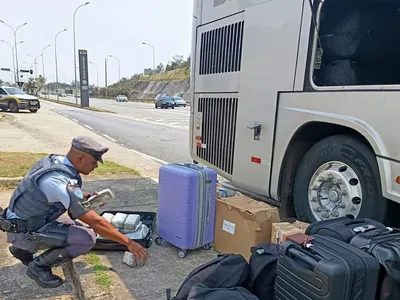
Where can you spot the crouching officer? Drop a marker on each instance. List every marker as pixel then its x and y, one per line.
pixel 35 219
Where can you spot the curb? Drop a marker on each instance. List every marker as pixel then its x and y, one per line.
pixel 71 274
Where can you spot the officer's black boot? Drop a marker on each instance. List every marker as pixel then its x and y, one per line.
pixel 23 255
pixel 40 268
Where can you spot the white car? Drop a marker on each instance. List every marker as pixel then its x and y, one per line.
pixel 122 98
pixel 13 99
pixel 179 101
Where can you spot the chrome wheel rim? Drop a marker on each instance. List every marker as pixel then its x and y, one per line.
pixel 334 191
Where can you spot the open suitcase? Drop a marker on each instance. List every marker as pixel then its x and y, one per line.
pixel 147 218
pixel 325 268
pixel 186 206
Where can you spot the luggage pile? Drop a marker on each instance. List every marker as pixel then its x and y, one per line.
pixel 360 41
pixel 344 258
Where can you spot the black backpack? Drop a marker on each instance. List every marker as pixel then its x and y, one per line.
pixel 225 271
pixel 201 292
pixel 263 264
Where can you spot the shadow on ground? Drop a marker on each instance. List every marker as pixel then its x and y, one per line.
pixel 164 269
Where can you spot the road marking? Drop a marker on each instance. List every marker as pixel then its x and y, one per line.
pixel 109 137
pixel 150 157
pixel 75 120
pixel 88 127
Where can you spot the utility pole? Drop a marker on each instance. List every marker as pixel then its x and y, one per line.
pixel 55 54
pixel 105 75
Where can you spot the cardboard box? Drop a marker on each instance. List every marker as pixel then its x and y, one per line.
pixel 242 223
pixel 301 225
pixel 280 231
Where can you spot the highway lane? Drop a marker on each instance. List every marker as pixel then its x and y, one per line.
pixel 138 110
pixel 156 140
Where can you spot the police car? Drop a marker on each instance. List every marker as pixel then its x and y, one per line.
pixel 13 99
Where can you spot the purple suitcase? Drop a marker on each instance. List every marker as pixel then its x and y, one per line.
pixel 186 206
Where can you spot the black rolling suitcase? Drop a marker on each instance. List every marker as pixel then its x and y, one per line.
pixel 384 245
pixel 344 228
pixel 324 268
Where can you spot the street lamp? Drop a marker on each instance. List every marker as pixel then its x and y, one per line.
pixel 154 54
pixel 43 58
pixel 97 68
pixel 15 44
pixel 119 66
pixel 12 51
pixel 35 63
pixel 55 54
pixel 76 92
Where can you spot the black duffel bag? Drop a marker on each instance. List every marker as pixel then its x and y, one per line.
pixel 225 271
pixel 202 292
pixel 263 264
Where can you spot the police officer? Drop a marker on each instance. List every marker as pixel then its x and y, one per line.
pixel 36 210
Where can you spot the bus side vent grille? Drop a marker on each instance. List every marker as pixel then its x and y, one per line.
pixel 221 49
pixel 218 132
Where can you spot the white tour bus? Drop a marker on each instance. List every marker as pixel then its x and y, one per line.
pixel 294 102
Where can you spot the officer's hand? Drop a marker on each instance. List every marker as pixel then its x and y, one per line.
pixel 139 252
pixel 88 195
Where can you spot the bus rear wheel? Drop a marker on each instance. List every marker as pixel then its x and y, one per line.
pixel 339 176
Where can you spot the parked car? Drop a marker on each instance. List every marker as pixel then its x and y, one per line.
pixel 165 102
pixel 179 101
pixel 14 99
pixel 122 98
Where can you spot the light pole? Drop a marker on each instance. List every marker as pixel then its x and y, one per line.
pixel 55 54
pixel 97 68
pixel 15 44
pixel 35 63
pixel 119 67
pixel 76 92
pixel 43 59
pixel 12 51
pixel 154 54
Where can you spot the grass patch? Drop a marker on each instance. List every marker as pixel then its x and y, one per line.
pixel 178 74
pixel 102 278
pixel 111 168
pixel 17 164
pixel 76 105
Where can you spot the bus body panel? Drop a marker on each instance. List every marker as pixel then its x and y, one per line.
pixel 357 110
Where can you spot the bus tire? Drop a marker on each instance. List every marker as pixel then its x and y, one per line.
pixel 339 176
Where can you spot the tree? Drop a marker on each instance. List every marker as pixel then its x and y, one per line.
pixel 40 83
pixel 160 68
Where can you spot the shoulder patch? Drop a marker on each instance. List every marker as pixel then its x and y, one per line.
pixel 78 193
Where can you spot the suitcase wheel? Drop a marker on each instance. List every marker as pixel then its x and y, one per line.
pixel 208 247
pixel 181 254
pixel 158 241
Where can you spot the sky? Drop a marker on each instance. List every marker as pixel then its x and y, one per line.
pixel 103 28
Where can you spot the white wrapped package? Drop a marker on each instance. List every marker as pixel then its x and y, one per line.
pixel 131 222
pixel 141 233
pixel 134 230
pixel 119 220
pixel 108 217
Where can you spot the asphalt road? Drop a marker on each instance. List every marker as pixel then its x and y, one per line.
pixel 178 117
pixel 154 139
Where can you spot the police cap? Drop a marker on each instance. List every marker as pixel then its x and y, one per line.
pixel 88 145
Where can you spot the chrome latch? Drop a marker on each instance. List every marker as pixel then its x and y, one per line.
pixel 256 127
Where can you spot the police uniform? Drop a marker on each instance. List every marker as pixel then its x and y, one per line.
pixel 36 210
